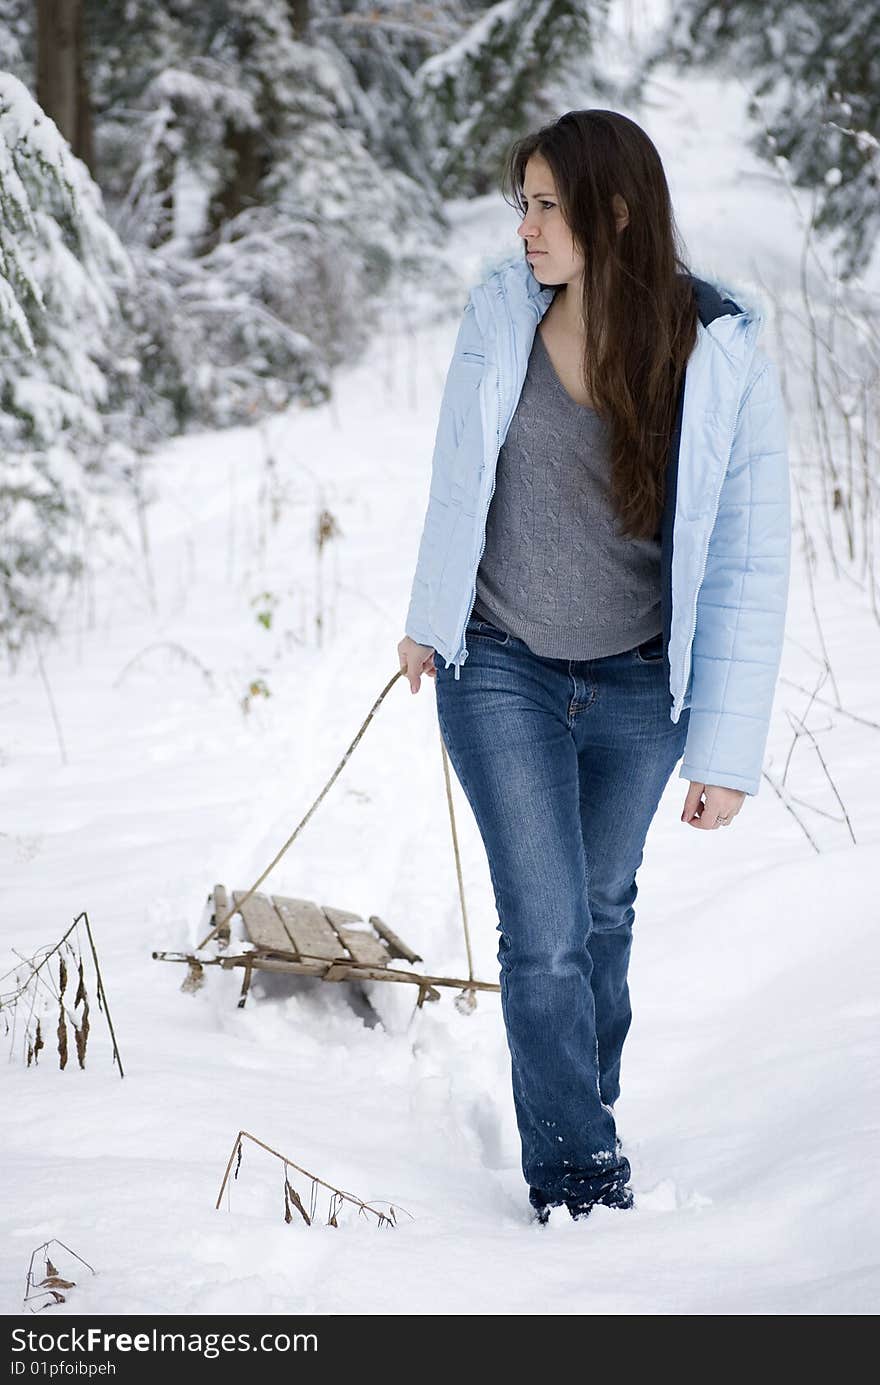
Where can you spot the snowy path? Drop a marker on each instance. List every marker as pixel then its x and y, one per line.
pixel 749 1106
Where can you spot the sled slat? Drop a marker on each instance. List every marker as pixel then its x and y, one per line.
pixel 300 937
pixel 362 944
pixel 264 927
pixel 310 932
pixel 365 947
pixel 340 916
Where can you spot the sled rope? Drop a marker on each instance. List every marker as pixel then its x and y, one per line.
pixel 219 923
pixel 464 917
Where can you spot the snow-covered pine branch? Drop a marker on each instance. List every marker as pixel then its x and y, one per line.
pixel 813 71
pixel 59 262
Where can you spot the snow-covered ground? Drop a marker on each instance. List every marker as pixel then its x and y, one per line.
pixel 749 1107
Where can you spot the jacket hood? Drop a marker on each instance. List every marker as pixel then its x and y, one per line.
pixel 738 295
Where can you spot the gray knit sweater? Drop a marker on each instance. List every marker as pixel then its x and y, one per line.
pixel 554 570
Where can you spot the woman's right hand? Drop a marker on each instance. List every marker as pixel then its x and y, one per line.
pixel 416 659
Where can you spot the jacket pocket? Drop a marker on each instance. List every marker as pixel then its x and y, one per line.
pixel 483 630
pixel 650 651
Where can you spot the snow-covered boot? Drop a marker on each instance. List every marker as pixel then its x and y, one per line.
pixel 614 1193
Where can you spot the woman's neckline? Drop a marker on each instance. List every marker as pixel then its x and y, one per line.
pixel 575 403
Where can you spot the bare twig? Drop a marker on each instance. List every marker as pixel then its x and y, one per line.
pixel 9 1000
pixel 853 716
pixel 179 650
pixel 842 370
pixel 6 1000
pixel 49 985
pixel 787 804
pixel 822 812
pixel 805 730
pixel 812 588
pixel 337 1195
pixel 51 1284
pixel 102 995
pixel 53 709
pixel 806 713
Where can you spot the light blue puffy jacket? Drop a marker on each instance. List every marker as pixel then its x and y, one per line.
pixel 726 531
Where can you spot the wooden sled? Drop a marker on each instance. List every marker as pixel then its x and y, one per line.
pixel 297 936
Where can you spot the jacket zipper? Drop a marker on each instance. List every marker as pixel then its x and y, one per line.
pixel 463 651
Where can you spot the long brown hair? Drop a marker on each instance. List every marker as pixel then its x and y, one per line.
pixel 635 284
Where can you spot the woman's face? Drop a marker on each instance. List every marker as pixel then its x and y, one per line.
pixel 557 259
pixel 544 230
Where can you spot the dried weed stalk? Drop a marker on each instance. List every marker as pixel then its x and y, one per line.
pixel 38 983
pixel 292 1200
pixel 46 1292
pixel 828 356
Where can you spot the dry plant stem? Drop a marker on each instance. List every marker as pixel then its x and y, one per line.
pixel 29 1021
pixel 140 504
pixel 288 1163
pixel 817 416
pixel 822 812
pixel 41 980
pixel 779 311
pixel 53 709
pixel 841 498
pixel 871 489
pixel 848 496
pixel 787 804
pixel 805 730
pixel 230 530
pixel 853 716
pixel 868 509
pixel 29 1281
pixel 792 798
pixel 806 713
pixel 219 923
pixel 10 1000
pixel 102 994
pixel 812 590
pixel 863 380
pixel 176 648
pixel 319 588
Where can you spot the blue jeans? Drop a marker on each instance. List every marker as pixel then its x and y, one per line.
pixel 563 762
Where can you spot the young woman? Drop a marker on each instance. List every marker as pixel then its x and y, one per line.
pixel 604 571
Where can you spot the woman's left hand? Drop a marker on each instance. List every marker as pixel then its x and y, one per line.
pixel 719 810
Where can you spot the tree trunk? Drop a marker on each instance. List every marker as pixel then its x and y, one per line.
pixel 299 18
pixel 62 86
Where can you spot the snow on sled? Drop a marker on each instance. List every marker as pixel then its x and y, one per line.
pixel 282 934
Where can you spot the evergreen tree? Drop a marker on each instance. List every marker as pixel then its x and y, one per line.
pixel 58 263
pixel 277 172
pixel 470 98
pixel 270 164
pixel 16 32
pixel 262 223
pixel 815 74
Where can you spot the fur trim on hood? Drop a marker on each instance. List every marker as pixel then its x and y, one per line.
pixel 740 292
